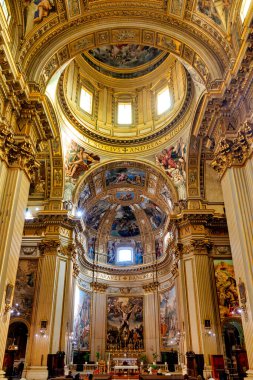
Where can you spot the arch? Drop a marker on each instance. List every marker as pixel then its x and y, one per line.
pixel 112 163
pixel 199 50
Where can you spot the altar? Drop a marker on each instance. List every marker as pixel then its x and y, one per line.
pixel 119 368
pixel 125 361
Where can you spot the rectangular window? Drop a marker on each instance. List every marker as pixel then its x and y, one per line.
pixel 5 10
pixel 124 113
pixel 245 8
pixel 124 255
pixel 86 100
pixel 163 101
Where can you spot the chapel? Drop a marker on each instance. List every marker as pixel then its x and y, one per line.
pixel 126 177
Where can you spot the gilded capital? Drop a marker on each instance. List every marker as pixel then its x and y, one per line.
pixel 234 152
pixel 17 153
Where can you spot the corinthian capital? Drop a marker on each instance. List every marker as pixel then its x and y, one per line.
pixel 236 152
pixel 17 153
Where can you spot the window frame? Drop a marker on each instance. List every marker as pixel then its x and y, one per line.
pixel 91 93
pixel 124 102
pixel 6 11
pixel 160 91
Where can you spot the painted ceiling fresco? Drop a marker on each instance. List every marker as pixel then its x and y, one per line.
pixel 173 162
pixel 93 217
pixel 125 176
pixel 36 11
pixel 125 223
pixel 216 11
pixel 153 212
pixel 125 56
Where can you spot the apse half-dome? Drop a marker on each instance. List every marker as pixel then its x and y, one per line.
pixel 125 214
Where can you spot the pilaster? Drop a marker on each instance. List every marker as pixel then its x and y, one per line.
pixel 17 164
pixel 98 336
pixel 197 287
pixel 234 162
pixel 52 313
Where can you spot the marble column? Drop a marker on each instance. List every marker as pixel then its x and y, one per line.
pixel 234 162
pixel 16 165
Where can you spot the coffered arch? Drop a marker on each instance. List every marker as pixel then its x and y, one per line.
pixel 195 47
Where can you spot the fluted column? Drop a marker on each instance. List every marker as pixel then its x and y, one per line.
pixel 234 163
pixel 98 337
pixel 50 319
pixel 151 318
pixel 198 292
pixel 16 165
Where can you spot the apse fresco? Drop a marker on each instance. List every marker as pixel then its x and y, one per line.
pixel 136 246
pixel 93 217
pixel 36 11
pixel 84 196
pixel 167 197
pixel 226 287
pixel 82 319
pixel 158 247
pixel 125 195
pixel 173 162
pixel 91 247
pixel 125 176
pixel 125 323
pixel 24 287
pixel 125 56
pixel 168 318
pixel 124 223
pixel 153 212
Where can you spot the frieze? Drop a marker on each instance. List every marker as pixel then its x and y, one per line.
pixel 29 251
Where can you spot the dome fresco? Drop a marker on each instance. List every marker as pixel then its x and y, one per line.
pixel 124 223
pixel 125 56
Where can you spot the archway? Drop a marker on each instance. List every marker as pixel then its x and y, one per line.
pixel 15 351
pixel 235 352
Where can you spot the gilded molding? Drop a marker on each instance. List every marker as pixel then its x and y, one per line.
pixel 152 287
pixel 234 153
pixel 98 287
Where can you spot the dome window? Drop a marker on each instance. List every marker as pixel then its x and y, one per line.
pixel 5 10
pixel 163 101
pixel 125 113
pixel 245 8
pixel 124 255
pixel 86 100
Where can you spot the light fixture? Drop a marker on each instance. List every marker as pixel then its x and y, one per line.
pixel 28 214
pixel 13 346
pixel 43 328
pixel 15 310
pixel 79 213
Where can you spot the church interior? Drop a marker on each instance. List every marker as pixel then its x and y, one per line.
pixel 126 176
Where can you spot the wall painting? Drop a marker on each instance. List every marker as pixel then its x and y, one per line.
pixel 82 319
pixel 168 318
pixel 226 287
pixel 125 328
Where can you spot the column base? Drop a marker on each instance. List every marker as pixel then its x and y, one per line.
pixel 36 373
pixel 250 374
pixel 2 375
